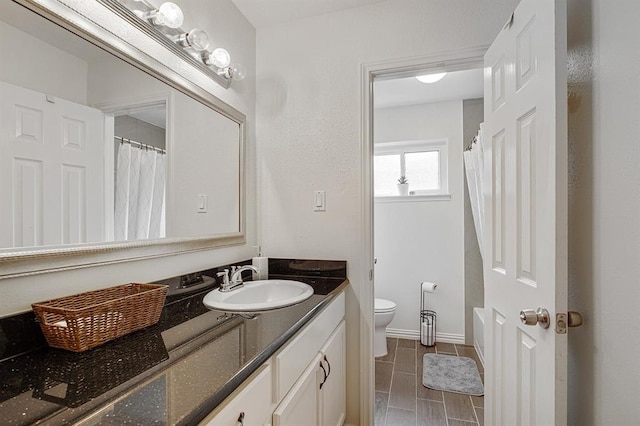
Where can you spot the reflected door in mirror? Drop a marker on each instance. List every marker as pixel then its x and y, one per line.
pixel 51 170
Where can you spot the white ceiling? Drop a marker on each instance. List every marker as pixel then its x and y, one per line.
pixel 455 85
pixel 155 115
pixel 401 91
pixel 264 13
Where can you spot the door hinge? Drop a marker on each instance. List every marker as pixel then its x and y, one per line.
pixel 570 319
pixel 370 274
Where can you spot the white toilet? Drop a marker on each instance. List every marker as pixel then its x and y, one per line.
pixel 385 310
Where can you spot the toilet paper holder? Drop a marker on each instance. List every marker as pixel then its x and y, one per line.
pixel 427 316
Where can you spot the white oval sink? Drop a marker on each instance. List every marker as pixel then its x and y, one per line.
pixel 261 295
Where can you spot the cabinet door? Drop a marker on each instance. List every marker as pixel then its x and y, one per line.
pixel 291 361
pixel 301 406
pixel 252 404
pixel 333 390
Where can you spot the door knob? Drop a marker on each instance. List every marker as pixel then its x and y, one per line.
pixel 539 316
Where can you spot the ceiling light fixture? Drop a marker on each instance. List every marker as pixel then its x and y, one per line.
pixel 431 78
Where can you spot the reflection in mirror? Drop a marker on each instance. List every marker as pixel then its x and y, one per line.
pixel 94 150
pixel 140 170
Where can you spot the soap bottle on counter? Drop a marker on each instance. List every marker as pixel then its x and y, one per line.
pixel 262 263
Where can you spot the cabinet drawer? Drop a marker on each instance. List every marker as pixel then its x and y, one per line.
pixel 291 361
pixel 253 398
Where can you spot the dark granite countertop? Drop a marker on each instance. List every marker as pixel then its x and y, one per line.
pixel 174 372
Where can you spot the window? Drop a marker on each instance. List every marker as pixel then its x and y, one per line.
pixel 424 163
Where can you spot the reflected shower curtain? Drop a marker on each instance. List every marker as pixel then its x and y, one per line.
pixel 139 201
pixel 474 167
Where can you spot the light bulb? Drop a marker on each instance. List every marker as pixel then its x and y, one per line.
pixel 168 14
pixel 219 58
pixel 197 39
pixel 431 78
pixel 236 72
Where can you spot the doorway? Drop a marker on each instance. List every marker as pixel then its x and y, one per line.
pixel 137 155
pixel 421 125
pixel 372 73
pixel 420 132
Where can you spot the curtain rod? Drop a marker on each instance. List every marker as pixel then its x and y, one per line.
pixel 470 146
pixel 140 144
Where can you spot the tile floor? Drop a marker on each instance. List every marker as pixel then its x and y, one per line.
pixel 401 399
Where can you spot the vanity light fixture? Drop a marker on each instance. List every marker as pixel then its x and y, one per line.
pixel 168 15
pixel 167 19
pixel 196 39
pixel 219 58
pixel 431 78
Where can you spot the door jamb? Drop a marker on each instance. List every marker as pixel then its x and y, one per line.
pixel 454 60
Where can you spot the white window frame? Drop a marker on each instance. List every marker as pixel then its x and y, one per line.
pixel 404 147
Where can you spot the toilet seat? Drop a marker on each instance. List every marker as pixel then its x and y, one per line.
pixel 383 306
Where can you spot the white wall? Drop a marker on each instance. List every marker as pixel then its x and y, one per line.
pixel 229 29
pixel 417 241
pixel 604 207
pixel 205 160
pixel 33 64
pixel 129 127
pixel 309 113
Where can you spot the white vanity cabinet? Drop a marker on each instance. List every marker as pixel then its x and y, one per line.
pixel 333 392
pixel 301 384
pixel 318 397
pixel 250 405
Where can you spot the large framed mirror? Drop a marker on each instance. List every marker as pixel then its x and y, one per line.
pixel 110 147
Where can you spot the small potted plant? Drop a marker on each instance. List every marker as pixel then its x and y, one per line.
pixel 403 186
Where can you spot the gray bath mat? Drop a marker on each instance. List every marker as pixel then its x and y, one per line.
pixel 452 374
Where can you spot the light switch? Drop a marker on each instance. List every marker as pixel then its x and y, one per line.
pixel 319 201
pixel 202 203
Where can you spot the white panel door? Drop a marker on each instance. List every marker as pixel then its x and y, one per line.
pixel 51 170
pixel 525 262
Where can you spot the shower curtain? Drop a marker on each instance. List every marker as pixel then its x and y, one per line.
pixel 139 201
pixel 474 166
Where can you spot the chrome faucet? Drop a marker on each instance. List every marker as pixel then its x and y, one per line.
pixel 229 284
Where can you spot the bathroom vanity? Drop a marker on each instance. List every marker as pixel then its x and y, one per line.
pixel 196 366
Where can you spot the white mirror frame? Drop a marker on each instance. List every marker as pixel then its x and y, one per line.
pixel 115 29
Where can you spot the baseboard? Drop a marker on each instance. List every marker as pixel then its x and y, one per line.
pixel 457 339
pixel 403 334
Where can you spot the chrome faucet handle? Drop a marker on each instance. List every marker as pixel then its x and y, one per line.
pixel 225 279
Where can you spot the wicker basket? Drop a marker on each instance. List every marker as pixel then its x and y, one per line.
pixel 86 320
